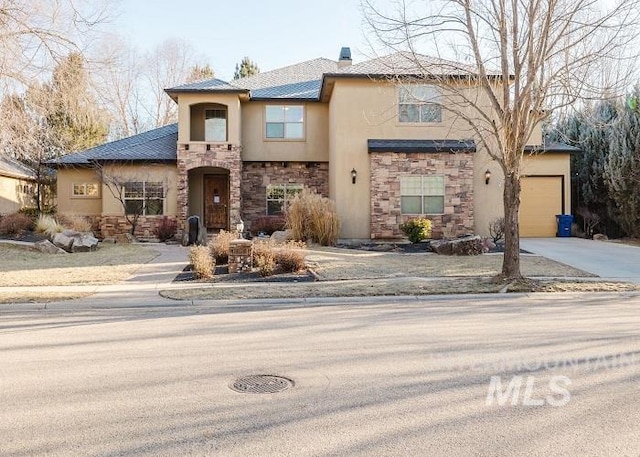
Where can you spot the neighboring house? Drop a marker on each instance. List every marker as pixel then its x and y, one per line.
pixel 17 185
pixel 369 136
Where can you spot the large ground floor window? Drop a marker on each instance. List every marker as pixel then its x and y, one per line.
pixel 422 194
pixel 145 198
pixel 278 196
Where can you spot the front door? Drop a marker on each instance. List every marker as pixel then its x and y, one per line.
pixel 216 202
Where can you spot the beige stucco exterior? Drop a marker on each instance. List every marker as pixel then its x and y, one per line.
pixel 230 100
pixel 67 203
pixel 166 174
pixel 313 148
pixel 13 195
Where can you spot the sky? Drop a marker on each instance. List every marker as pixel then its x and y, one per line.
pixel 272 33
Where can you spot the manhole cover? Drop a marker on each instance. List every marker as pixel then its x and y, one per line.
pixel 261 384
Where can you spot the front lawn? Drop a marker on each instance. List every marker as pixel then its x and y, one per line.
pixel 110 264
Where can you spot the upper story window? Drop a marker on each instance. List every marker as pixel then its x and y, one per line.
pixel 284 122
pixel 419 104
pixel 215 125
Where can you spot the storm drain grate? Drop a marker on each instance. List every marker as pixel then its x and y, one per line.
pixel 261 384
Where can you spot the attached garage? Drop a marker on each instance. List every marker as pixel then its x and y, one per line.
pixel 541 198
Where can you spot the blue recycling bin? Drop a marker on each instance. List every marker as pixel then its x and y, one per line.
pixel 564 222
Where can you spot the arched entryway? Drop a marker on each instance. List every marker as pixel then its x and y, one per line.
pixel 209 197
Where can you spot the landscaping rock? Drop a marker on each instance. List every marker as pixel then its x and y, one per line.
pixel 468 245
pixel 64 240
pixel 84 242
pixel 72 241
pixel 48 247
pixel 282 236
pixel 600 237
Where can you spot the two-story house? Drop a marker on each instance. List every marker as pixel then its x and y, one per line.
pixel 371 136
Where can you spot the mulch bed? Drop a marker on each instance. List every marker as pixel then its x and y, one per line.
pixel 408 248
pixel 28 236
pixel 222 276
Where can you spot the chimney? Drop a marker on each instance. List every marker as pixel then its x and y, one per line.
pixel 345 58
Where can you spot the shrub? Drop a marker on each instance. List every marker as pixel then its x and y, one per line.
pixel 417 229
pixel 311 217
pixel 266 263
pixel 290 257
pixel 261 248
pixel 48 225
pixel 268 224
pixel 202 264
pixel 166 229
pixel 33 213
pixel 15 224
pixel 496 229
pixel 220 246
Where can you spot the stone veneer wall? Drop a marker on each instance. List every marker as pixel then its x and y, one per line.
pixel 117 225
pixel 256 176
pixel 225 156
pixel 386 169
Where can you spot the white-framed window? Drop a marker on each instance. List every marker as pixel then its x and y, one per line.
pixel 86 189
pixel 422 194
pixel 145 198
pixel 419 104
pixel 278 196
pixel 284 122
pixel 215 125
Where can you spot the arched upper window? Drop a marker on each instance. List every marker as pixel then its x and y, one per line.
pixel 209 122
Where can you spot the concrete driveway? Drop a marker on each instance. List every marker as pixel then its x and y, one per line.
pixel 605 259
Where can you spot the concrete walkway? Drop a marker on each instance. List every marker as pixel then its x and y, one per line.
pixel 605 259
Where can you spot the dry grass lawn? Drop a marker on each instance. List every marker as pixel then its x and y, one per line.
pixel 39 297
pixel 110 264
pixel 332 264
pixel 390 287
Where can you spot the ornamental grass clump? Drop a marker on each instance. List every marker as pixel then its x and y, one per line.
pixel 220 246
pixel 48 225
pixel 417 229
pixel 312 217
pixel 202 263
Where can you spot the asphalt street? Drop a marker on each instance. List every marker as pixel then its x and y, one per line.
pixel 378 377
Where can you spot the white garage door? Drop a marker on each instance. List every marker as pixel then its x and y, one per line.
pixel 540 201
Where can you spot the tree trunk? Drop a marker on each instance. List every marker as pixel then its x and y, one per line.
pixel 511 262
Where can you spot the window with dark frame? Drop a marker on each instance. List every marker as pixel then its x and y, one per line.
pixel 144 198
pixel 215 125
pixel 278 196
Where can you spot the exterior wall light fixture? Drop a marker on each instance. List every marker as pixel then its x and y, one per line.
pixel 487 176
pixel 354 175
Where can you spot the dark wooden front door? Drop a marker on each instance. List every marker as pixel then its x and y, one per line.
pixel 216 202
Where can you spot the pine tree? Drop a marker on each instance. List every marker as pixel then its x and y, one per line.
pixel 246 68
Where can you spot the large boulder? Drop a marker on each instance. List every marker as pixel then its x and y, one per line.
pixel 72 241
pixel 85 242
pixel 64 240
pixel 282 236
pixel 468 245
pixel 48 247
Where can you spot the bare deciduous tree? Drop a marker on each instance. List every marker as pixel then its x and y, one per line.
pixel 521 60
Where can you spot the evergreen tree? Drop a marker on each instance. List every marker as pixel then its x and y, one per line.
pixel 622 166
pixel 246 68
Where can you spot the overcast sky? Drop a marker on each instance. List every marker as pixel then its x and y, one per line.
pixel 273 33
